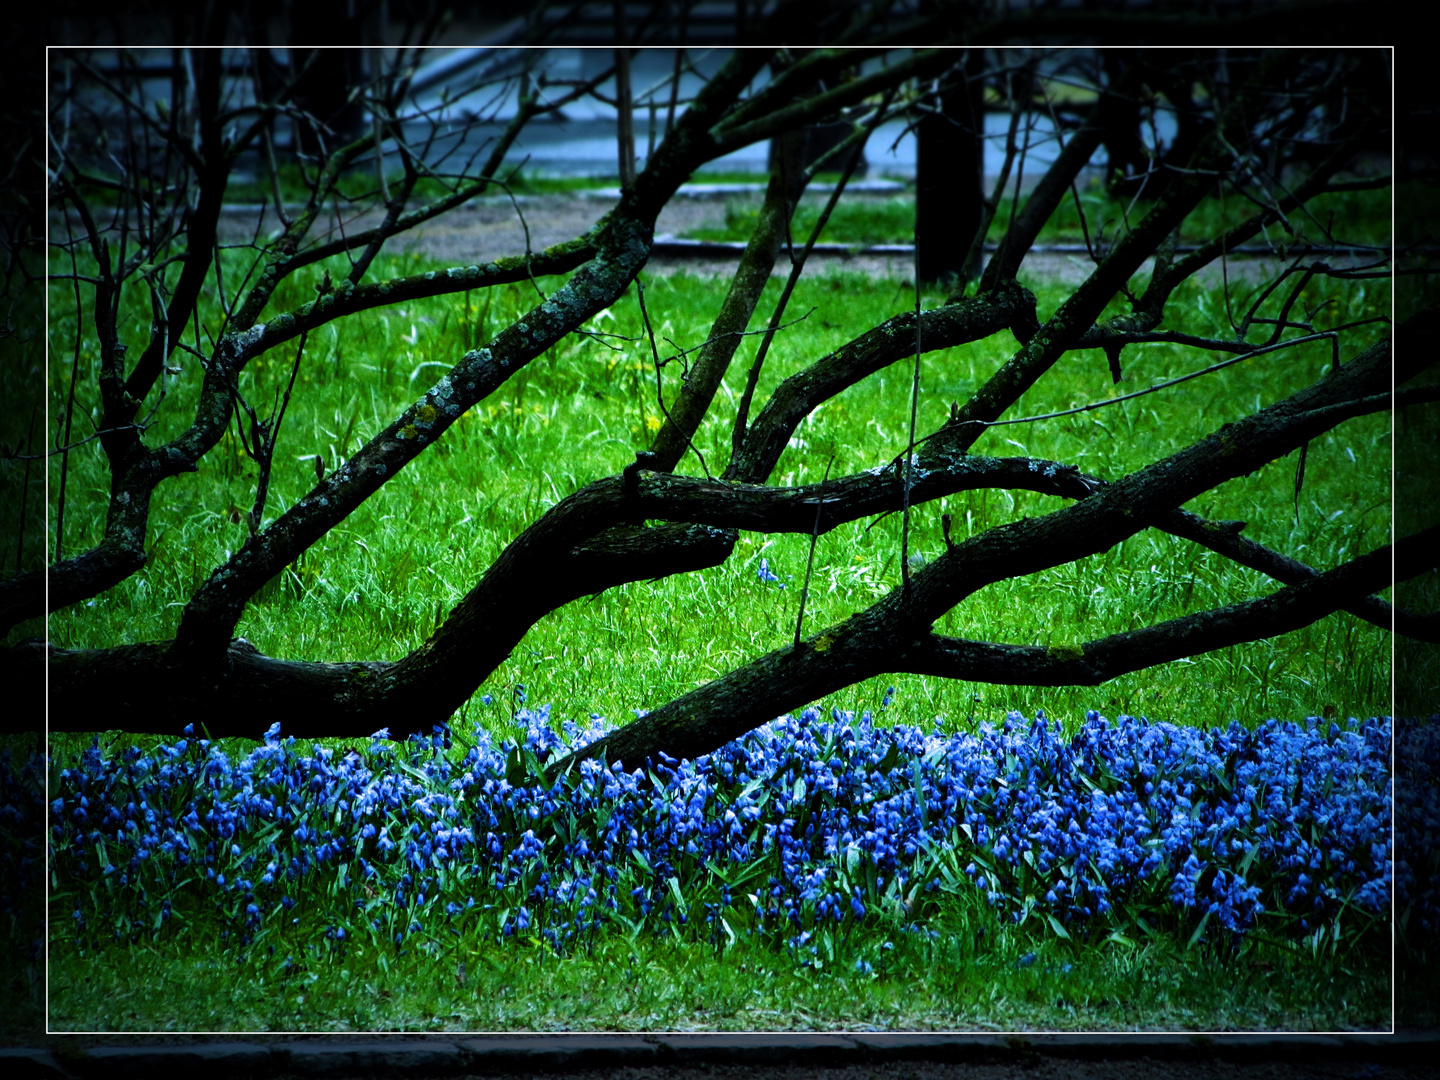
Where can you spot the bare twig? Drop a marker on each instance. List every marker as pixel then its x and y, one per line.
pixel 810 559
pixel 1245 355
pixel 264 435
pixel 655 355
pixel 742 412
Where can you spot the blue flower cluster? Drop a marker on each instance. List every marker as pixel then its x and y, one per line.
pixel 806 825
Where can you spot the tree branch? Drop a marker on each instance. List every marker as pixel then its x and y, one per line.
pixel 530 107
pixel 1048 193
pixel 1094 662
pixel 738 308
pixel 622 245
pixel 956 323
pixel 886 636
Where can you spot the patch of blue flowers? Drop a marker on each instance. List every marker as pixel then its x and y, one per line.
pixel 806 826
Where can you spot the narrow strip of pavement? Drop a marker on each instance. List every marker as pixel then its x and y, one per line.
pixel 480 1055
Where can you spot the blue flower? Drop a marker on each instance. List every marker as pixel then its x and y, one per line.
pixel 1119 816
pixel 765 574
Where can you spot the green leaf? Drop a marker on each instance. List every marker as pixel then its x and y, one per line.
pixel 1199 931
pixel 919 787
pixel 1220 776
pixel 676 895
pixel 828 750
pixel 1249 858
pixel 753 869
pixel 1059 930
pixel 515 771
pixel 629 924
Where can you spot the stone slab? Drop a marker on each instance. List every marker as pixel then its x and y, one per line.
pixel 380 1057
pixel 320 1056
pixel 755 1048
pixel 221 1059
pixel 556 1053
pixel 932 1046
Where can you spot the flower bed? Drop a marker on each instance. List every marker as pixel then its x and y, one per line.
pixel 801 831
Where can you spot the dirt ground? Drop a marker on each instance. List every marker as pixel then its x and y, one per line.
pixel 485 229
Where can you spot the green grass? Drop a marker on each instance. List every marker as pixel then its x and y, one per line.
pixel 890 220
pixel 378 584
pixel 1353 217
pixel 974 974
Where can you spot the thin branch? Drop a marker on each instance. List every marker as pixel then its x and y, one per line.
pixel 1246 354
pixel 264 436
pixel 742 411
pixel 659 394
pixel 1098 661
pixel 810 559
